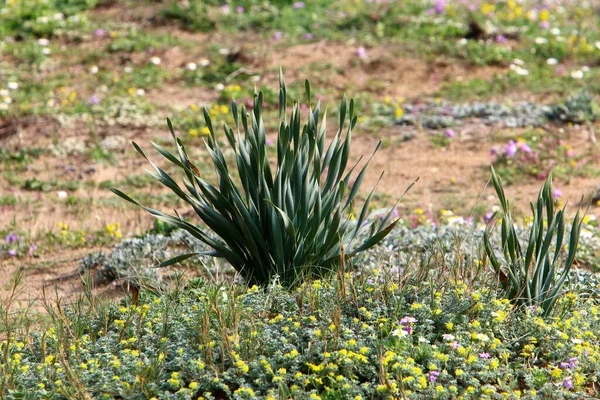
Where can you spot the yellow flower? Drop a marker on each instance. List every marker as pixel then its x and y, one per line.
pixel 398 112
pixel 487 8
pixel 205 131
pixel 193 132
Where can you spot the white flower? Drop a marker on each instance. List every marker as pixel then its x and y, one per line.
pixel 586 234
pixel 3 92
pixel 552 61
pixel 155 60
pixel 521 71
pixel 204 62
pixel 191 66
pixel 62 195
pixel 597 44
pixel 128 70
pixel 58 16
pixel 482 337
pixel 456 221
pixel 540 40
pixel 399 333
pixel 223 51
pixel 555 31
pixel 6 100
pixel 46 51
pixel 462 42
pixel 43 42
pixel 423 340
pixel 94 70
pixel 585 68
pixel 255 78
pixel 517 61
pixel 42 20
pixel 219 86
pixel 3 106
pixel 12 85
pixel 140 92
pixel 577 74
pixel 448 336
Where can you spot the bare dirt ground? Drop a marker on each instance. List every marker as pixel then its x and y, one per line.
pixel 453 177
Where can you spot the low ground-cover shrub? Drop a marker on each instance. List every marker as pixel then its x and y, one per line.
pixel 361 338
pixel 293 222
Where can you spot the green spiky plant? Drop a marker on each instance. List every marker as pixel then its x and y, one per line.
pixel 292 222
pixel 533 276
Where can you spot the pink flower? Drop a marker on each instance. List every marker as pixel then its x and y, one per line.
pixel 449 133
pixel 511 149
pixel 297 5
pixel 361 52
pixel 501 39
pixel 557 193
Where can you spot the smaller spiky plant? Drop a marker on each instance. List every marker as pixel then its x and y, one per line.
pixel 292 222
pixel 535 277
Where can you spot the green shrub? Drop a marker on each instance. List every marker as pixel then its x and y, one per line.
pixel 293 222
pixel 535 277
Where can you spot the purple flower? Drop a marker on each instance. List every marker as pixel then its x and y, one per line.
pixel 485 355
pixel 433 376
pixel 455 345
pixel 501 39
pixel 361 52
pixel 440 6
pixel 270 142
pixel 32 248
pixel 487 217
pixel 494 150
pixel 308 36
pixel 449 133
pixel 408 320
pixel 557 193
pixel 568 383
pixel 277 35
pixel 240 9
pixel 511 149
pixel 297 5
pixel 573 362
pixel 94 100
pixel 99 32
pixel 11 238
pixel 525 148
pixel 12 252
